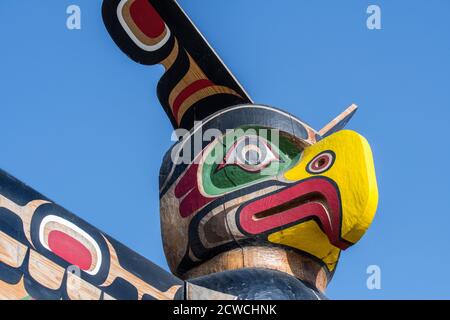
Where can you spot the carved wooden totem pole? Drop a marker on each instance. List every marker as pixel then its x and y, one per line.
pixel 255 204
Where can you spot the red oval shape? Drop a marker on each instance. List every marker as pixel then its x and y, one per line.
pixel 146 18
pixel 70 249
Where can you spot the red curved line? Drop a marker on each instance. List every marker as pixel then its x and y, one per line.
pixel 189 91
pixel 326 189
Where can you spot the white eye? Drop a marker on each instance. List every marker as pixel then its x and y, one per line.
pixel 321 163
pixel 251 153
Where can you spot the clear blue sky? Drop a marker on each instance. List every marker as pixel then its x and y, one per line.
pixel 81 123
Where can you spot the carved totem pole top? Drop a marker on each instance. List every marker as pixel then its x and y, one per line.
pixel 254 202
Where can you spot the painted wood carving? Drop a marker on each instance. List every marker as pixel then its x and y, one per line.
pixel 254 203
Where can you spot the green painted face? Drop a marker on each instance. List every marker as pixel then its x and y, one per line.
pixel 245 156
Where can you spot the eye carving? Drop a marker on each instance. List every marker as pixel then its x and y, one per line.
pixel 251 153
pixel 321 163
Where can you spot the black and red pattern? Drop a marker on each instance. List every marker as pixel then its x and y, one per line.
pixel 196 83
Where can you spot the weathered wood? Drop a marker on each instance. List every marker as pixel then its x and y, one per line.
pixel 297 265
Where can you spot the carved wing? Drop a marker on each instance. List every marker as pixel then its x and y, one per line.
pixel 196 82
pixel 46 252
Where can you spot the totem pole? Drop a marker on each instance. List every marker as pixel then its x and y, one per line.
pixel 255 204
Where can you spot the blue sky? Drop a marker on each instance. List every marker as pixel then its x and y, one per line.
pixel 81 123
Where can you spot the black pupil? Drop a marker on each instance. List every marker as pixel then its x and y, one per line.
pixel 321 162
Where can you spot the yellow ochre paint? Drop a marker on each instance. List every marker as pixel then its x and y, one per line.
pixel 354 173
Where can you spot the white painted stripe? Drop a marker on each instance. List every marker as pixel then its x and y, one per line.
pixel 318 298
pixel 70 225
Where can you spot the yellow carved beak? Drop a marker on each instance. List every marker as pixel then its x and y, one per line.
pixel 344 158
